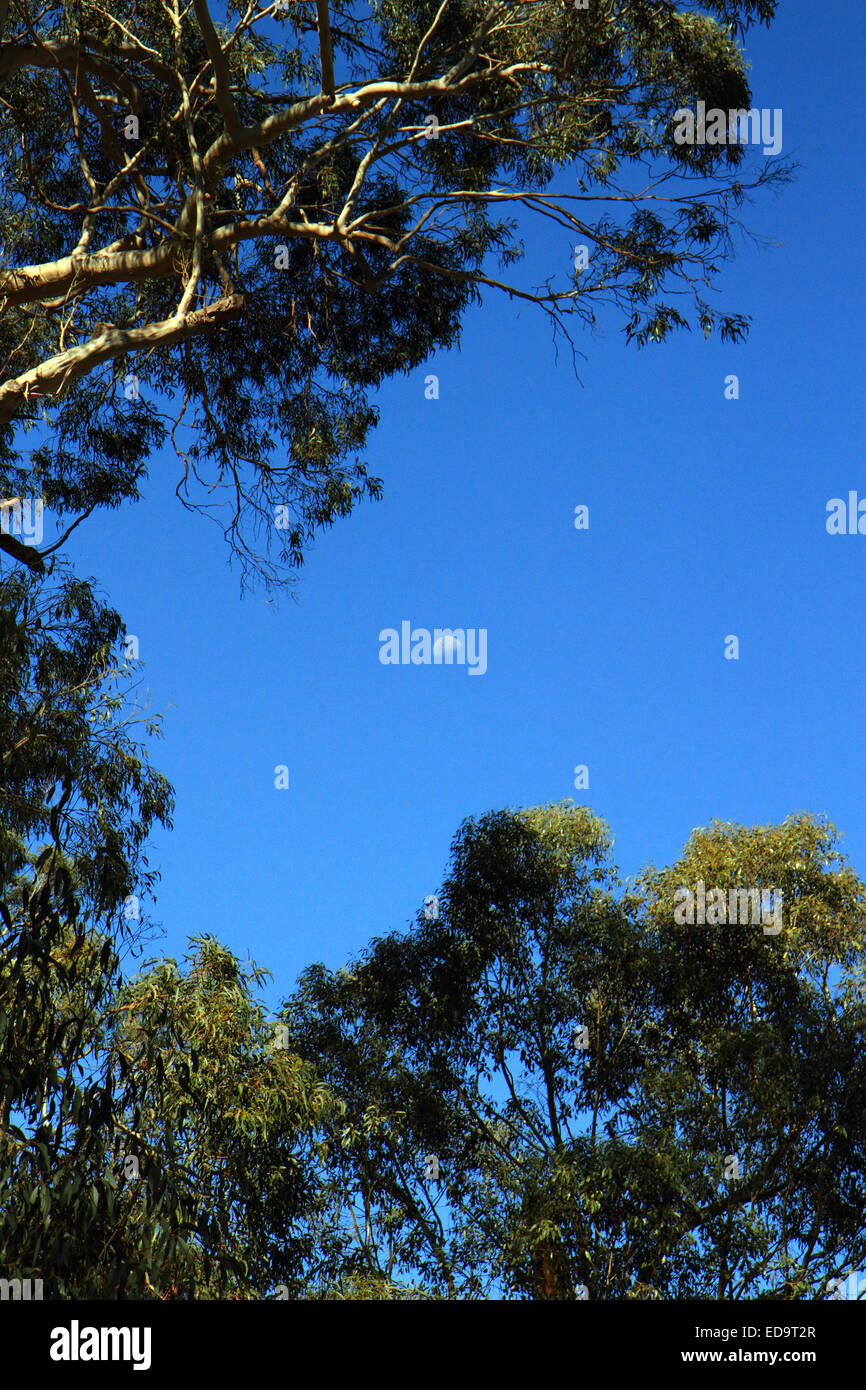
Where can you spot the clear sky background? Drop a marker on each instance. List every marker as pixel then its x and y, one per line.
pixel 605 647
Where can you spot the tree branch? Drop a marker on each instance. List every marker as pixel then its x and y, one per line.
pixel 325 47
pixel 52 376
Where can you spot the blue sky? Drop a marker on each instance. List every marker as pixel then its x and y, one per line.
pixel 605 646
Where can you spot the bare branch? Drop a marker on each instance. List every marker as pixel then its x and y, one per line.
pixel 325 47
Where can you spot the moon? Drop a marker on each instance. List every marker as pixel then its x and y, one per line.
pixel 448 649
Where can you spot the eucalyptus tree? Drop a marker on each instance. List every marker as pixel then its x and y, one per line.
pixel 78 799
pixel 222 226
pixel 212 1103
pixel 559 1088
pixel 156 1136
